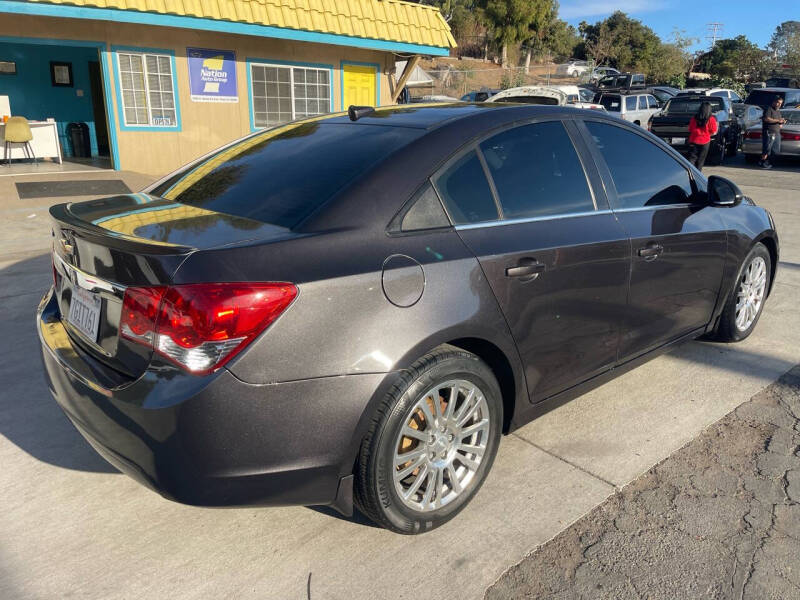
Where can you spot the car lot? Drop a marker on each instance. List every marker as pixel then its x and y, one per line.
pixel 72 526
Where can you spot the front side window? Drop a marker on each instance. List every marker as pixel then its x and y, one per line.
pixel 147 93
pixel 537 172
pixel 284 93
pixel 652 102
pixel 643 173
pixel 465 191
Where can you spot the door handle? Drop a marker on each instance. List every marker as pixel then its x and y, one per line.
pixel 651 251
pixel 531 270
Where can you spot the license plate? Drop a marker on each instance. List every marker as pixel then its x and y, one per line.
pixel 678 141
pixel 84 312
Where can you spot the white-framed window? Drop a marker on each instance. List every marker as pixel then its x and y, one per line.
pixel 282 93
pixel 147 91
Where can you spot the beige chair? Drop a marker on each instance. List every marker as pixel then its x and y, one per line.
pixel 18 132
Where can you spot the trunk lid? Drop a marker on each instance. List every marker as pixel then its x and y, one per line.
pixel 101 247
pixel 670 125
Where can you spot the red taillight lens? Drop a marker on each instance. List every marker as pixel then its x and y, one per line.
pixel 753 135
pixel 139 314
pixel 202 326
pixel 789 136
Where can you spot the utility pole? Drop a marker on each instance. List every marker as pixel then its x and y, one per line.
pixel 714 31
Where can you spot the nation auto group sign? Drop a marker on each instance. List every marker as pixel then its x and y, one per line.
pixel 212 75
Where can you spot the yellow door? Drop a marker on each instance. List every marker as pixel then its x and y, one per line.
pixel 359 83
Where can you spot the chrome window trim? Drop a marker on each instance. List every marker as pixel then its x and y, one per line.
pixel 532 219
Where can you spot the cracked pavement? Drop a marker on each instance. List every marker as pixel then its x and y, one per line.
pixel 718 519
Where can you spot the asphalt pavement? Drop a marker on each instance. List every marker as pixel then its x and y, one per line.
pixel 71 526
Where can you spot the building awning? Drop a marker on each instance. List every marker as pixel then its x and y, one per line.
pixel 389 25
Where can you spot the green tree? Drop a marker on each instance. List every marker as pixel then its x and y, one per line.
pixel 510 21
pixel 785 44
pixel 736 58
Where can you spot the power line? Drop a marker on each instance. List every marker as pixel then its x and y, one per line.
pixel 714 31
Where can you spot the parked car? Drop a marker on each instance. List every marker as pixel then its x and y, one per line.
pixel 621 83
pixel 662 93
pixel 479 95
pixel 763 97
pixel 573 68
pixel 244 333
pixel 790 137
pixel 636 108
pixel 717 92
pixel 601 72
pixel 748 116
pixel 554 95
pixel 782 82
pixel 672 125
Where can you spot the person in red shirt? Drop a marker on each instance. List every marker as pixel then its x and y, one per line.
pixel 701 127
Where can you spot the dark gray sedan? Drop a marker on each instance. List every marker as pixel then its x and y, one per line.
pixel 356 308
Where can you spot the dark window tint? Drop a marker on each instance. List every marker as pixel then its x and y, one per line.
pixel 791 99
pixel 689 105
pixel 762 98
pixel 652 102
pixel 426 212
pixel 611 103
pixel 281 179
pixel 630 103
pixel 643 173
pixel 465 191
pixel 537 172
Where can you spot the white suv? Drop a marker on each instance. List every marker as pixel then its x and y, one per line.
pixel 636 108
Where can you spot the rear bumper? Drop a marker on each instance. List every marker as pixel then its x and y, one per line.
pixel 213 440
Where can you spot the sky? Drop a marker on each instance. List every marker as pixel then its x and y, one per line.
pixel 757 20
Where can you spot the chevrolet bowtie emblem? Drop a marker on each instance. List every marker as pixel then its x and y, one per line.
pixel 66 246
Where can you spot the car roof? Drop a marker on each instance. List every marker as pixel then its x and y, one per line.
pixel 775 89
pixel 417 116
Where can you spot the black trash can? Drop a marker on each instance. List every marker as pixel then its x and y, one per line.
pixel 78 136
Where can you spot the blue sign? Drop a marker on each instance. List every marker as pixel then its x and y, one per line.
pixel 212 75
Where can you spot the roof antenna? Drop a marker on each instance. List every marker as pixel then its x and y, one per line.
pixel 356 112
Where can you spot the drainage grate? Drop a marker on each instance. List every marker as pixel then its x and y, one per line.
pixel 84 187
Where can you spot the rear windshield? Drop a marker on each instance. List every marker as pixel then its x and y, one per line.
pixel 281 176
pixel 683 105
pixel 611 103
pixel 529 100
pixel 762 97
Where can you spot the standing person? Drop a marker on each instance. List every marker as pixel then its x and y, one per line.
pixel 701 127
pixel 771 122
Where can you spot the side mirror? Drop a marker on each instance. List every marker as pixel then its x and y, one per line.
pixel 723 192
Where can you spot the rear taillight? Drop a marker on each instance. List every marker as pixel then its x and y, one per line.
pixel 792 137
pixel 202 326
pixel 753 135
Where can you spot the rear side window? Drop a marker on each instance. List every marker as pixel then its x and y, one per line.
pixel 630 103
pixel 426 212
pixel 643 173
pixel 281 176
pixel 536 171
pixel 465 191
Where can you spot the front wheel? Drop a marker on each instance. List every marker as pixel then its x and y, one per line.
pixel 746 301
pixel 431 443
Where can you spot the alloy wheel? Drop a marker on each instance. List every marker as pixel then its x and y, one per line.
pixel 750 294
pixel 441 445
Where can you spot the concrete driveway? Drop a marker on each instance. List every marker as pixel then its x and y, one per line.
pixel 70 526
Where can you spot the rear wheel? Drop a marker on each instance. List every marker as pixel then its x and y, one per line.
pixel 716 153
pixel 733 147
pixel 431 443
pixel 746 301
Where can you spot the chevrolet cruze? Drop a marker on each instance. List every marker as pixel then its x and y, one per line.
pixel 354 308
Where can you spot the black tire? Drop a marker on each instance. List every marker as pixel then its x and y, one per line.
pixel 733 147
pixel 727 331
pixel 716 154
pixel 374 488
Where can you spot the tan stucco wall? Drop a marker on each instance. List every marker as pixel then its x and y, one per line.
pixel 204 126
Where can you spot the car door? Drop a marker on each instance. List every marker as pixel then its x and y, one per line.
pixel 552 252
pixel 678 241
